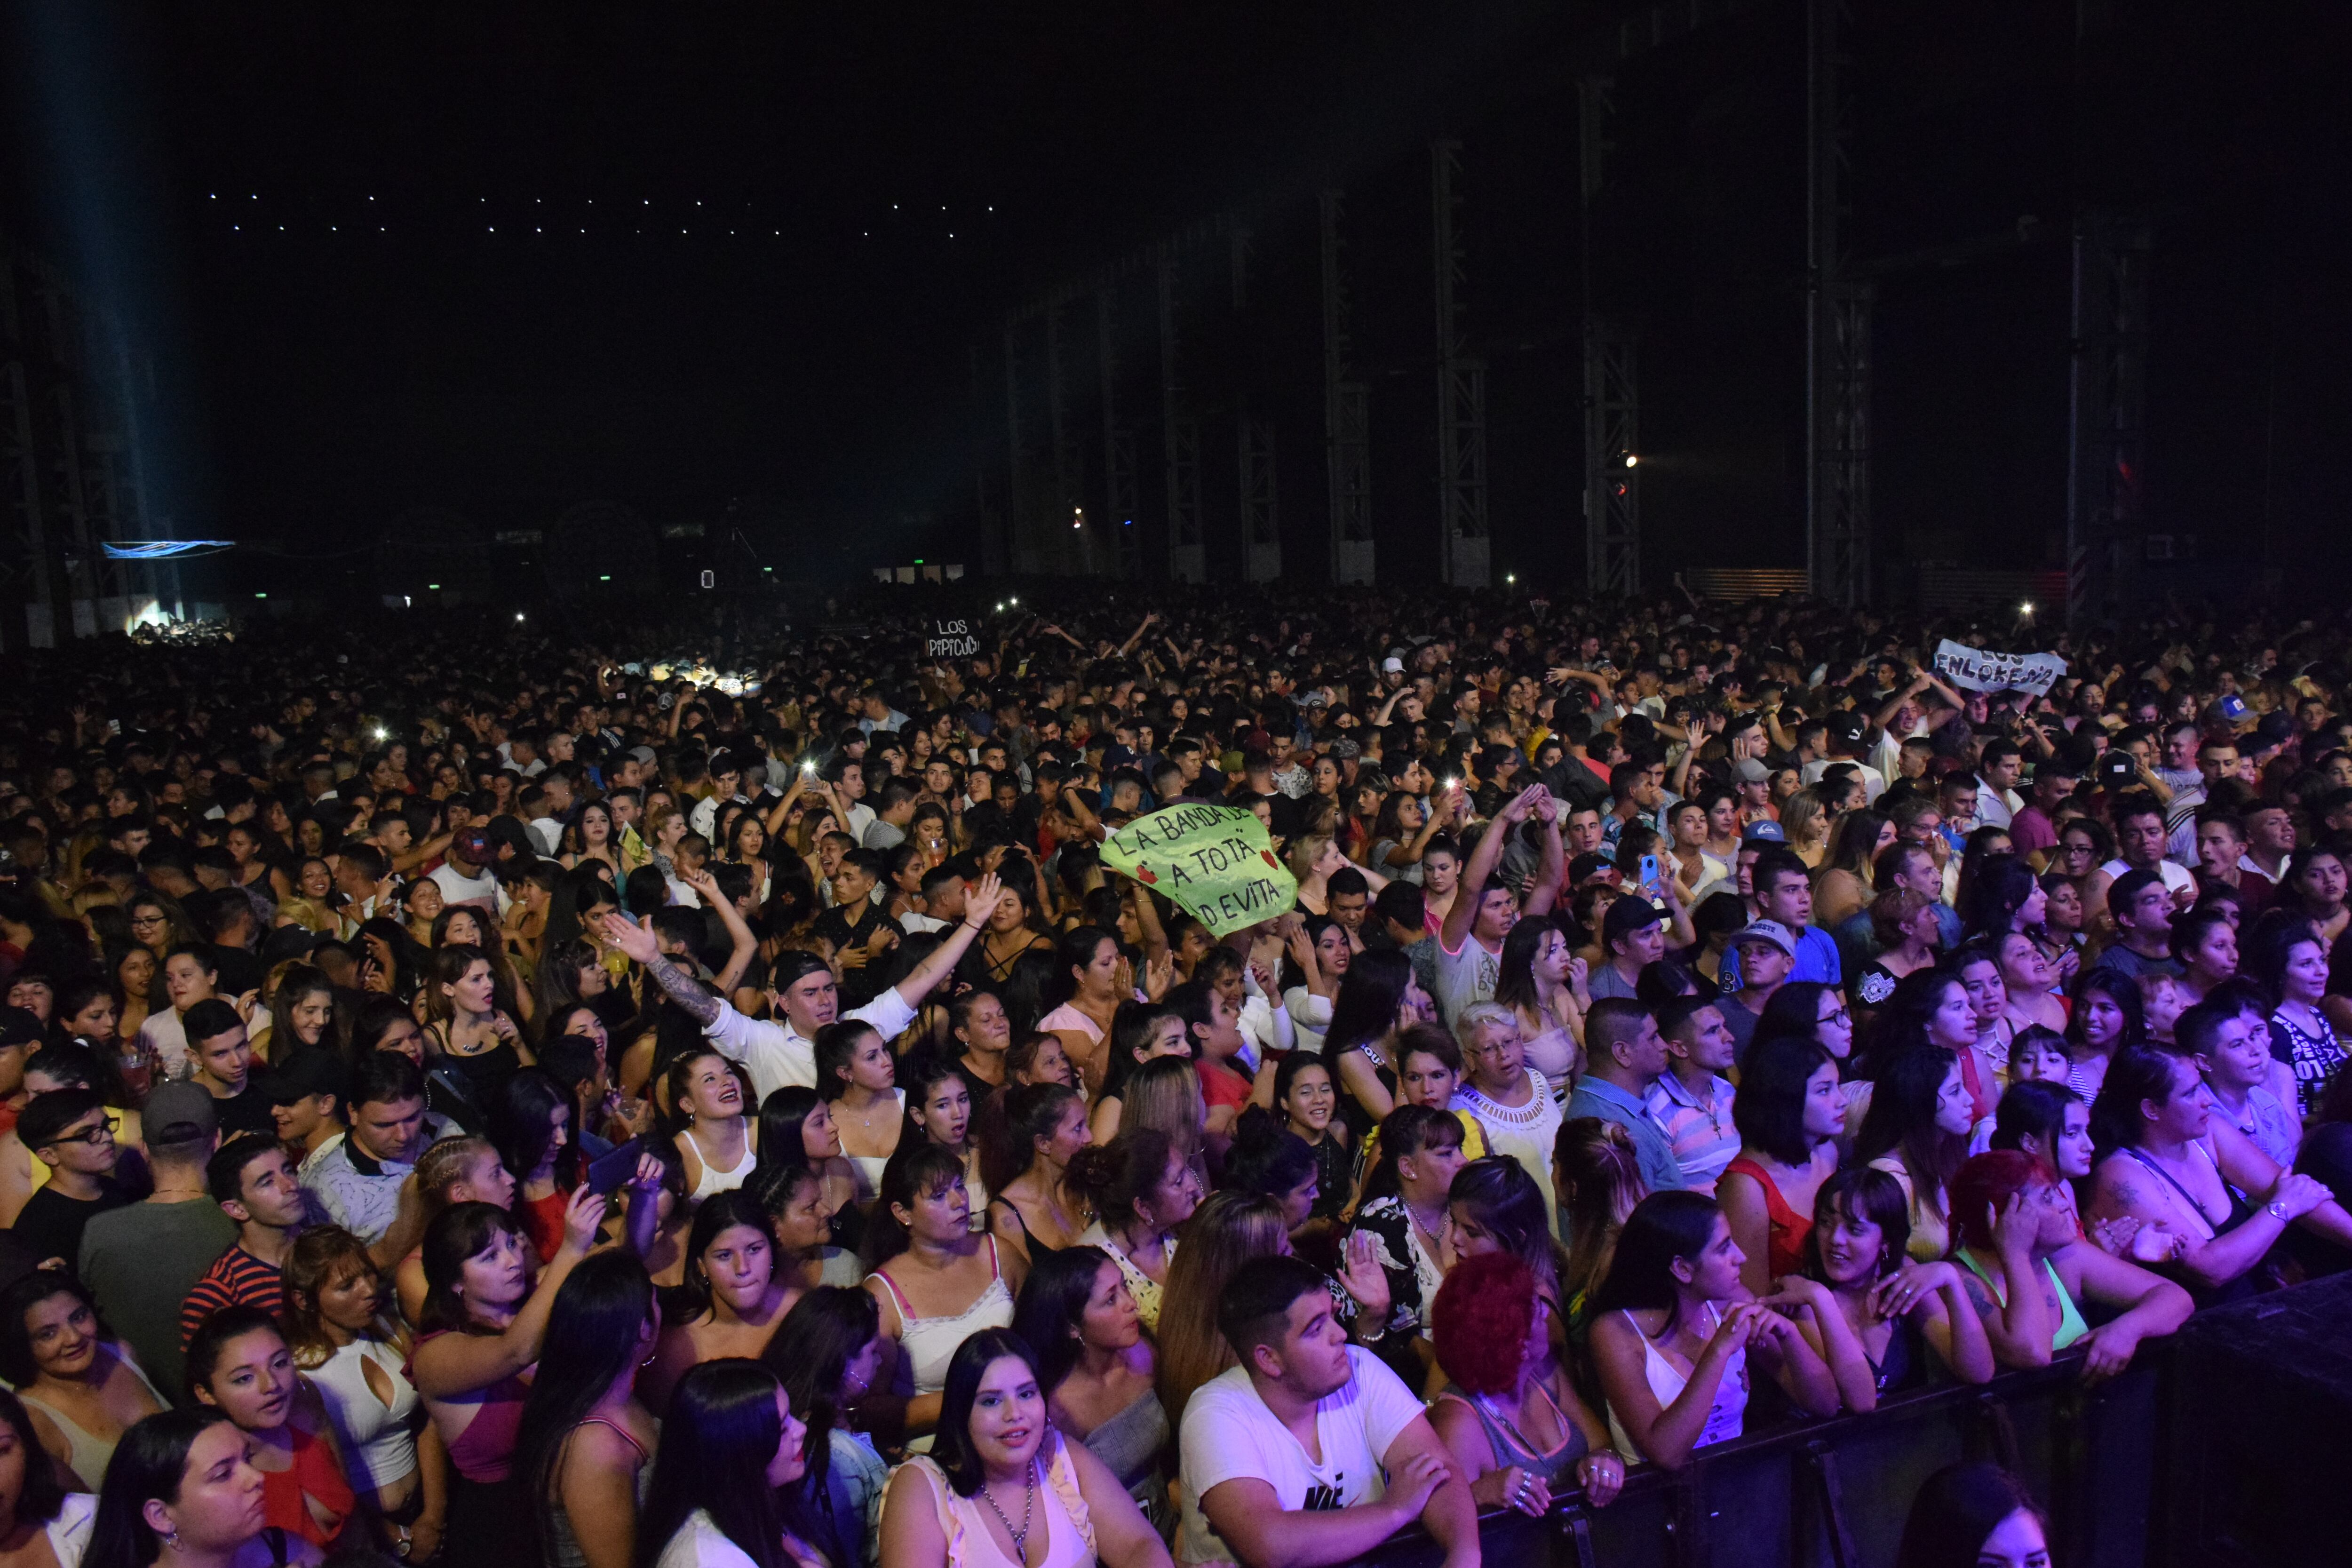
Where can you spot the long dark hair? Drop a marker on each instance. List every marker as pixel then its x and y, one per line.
pixel 1661 1227
pixel 951 1447
pixel 1515 980
pixel 149 1464
pixel 927 1173
pixel 781 1118
pixel 38 1496
pixel 1902 1119
pixel 690 1297
pixel 458 1232
pixel 1955 1512
pixel 1366 1006
pixel 520 1129
pixel 1008 1143
pixel 1077 950
pixel 722 1431
pixel 2134 1073
pixel 1053 1303
pixel 17 1363
pixel 1266 1156
pixel 1409 1130
pixel 1770 1109
pixel 1505 1200
pixel 591 1340
pixel 811 1352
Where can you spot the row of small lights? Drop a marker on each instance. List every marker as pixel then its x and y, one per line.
pixel 541 200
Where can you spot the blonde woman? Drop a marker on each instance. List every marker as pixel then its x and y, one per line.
pixel 1807 827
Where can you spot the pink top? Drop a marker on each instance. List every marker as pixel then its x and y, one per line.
pixel 484 1451
pixel 1066 1016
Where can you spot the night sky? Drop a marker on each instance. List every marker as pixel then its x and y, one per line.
pixel 767 309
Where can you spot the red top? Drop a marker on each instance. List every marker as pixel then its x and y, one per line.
pixel 313 1477
pixel 1221 1085
pixel 542 1221
pixel 1784 1241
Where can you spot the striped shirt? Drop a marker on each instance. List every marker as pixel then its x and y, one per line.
pixel 236 1279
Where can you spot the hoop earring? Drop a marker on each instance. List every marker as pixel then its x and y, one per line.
pixel 172 1539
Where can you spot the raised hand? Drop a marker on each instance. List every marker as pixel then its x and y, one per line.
pixel 634 942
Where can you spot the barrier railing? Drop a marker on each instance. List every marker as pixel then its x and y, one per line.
pixel 1834 1493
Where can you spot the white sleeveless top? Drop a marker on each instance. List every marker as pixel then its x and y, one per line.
pixel 926 1345
pixel 716 1181
pixel 1724 1419
pixel 378 1440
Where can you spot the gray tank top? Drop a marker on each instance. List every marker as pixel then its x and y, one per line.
pixel 1510 1448
pixel 1129 1445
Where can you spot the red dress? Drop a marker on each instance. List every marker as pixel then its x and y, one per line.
pixel 313 1477
pixel 1784 1241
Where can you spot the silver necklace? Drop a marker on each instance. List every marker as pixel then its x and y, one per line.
pixel 1028 1505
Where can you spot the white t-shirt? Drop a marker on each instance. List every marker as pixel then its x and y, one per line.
pixel 1465 975
pixel 1230 1435
pixel 165 1038
pixel 699 1544
pixel 2175 876
pixel 457 888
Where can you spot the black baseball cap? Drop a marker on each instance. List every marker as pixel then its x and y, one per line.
pixel 309 1071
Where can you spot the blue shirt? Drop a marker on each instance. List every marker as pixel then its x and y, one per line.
pixel 1817 960
pixel 1654 1150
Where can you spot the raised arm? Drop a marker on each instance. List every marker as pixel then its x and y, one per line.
pixel 980 902
pixel 1544 891
pixel 453 1364
pixel 636 942
pixel 738 935
pixel 1483 861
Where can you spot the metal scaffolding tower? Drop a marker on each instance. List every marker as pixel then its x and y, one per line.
pixel 1461 390
pixel 1612 491
pixel 1261 511
pixel 1071 546
pixel 993 554
pixel 1837 329
pixel 1182 435
pixel 1119 448
pixel 1347 420
pixel 2107 393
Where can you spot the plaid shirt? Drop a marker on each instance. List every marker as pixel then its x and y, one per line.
pixel 1705 1140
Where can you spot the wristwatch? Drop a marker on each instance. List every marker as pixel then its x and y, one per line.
pixel 2277 1210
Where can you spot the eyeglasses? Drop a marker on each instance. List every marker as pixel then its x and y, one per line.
pixel 148 921
pixel 96 1135
pixel 1838 1015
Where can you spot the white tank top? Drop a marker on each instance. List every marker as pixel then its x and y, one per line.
pixel 926 1345
pixel 1667 1383
pixel 716 1181
pixel 380 1439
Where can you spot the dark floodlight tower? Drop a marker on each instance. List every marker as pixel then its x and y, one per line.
pixel 1021 523
pixel 1347 420
pixel 1073 547
pixel 1118 443
pixel 1461 390
pixel 1182 435
pixel 1837 328
pixel 1254 446
pixel 1612 491
pixel 2107 393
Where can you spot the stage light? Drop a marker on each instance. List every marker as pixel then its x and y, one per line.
pixel 1630 460
pixel 518 615
pixel 382 733
pixel 2026 608
pixel 1509 577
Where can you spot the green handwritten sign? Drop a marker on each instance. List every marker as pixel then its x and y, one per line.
pixel 1214 861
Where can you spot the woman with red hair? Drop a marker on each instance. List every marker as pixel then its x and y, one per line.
pixel 2014 1231
pixel 1520 1444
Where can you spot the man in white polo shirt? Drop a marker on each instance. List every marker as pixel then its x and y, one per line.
pixel 1309 1452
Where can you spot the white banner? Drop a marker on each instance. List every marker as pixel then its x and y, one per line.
pixel 1979 669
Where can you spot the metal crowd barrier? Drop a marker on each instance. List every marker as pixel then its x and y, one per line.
pixel 1834 1493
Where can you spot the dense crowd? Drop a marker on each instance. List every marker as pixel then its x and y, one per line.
pixel 475 1096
